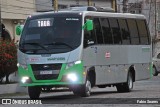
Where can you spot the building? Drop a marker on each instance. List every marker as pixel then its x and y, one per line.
pixel 71 3
pixel 158 19
pixel 15 12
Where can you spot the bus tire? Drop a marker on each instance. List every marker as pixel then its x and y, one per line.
pixel 128 86
pixel 34 92
pixel 83 90
pixel 86 89
pixel 154 72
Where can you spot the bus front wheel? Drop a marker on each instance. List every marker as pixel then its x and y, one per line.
pixel 83 90
pixel 126 87
pixel 34 92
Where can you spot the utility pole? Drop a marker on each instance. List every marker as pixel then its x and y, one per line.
pixel 125 6
pixel 114 5
pixel 155 19
pixel 77 2
pixel 0 20
pixel 89 2
pixel 55 5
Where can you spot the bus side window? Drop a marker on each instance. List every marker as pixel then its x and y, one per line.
pixel 89 38
pixel 135 40
pixel 108 39
pixel 98 31
pixel 115 31
pixel 144 38
pixel 124 32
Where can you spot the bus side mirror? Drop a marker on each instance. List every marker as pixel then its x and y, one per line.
pixel 19 29
pixel 88 25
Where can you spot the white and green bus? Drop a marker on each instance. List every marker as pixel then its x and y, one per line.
pixel 83 49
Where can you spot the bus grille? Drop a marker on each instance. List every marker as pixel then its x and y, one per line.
pixel 38 68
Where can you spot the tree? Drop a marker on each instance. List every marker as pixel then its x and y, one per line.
pixel 8 59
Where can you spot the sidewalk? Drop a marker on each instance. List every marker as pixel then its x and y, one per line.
pixel 12 88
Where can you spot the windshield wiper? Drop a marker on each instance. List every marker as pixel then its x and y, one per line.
pixel 30 43
pixel 60 43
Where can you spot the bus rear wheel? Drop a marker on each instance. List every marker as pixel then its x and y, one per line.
pixel 128 86
pixel 34 92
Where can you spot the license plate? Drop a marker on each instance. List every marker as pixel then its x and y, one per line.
pixel 46 72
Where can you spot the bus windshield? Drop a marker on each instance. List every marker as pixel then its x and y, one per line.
pixel 51 35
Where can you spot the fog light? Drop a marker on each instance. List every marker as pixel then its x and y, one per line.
pixel 72 77
pixel 24 79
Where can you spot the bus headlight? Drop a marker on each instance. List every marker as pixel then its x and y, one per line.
pixel 24 79
pixel 72 63
pixel 24 66
pixel 72 77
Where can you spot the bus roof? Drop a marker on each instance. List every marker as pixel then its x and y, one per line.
pixel 93 13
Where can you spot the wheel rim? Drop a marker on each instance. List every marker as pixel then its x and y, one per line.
pixel 88 87
pixel 130 82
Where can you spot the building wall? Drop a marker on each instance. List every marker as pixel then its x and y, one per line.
pixel 14 12
pixel 67 3
pixel 15 9
pixel 43 5
pixel 158 19
pixel 9 26
pixel 102 3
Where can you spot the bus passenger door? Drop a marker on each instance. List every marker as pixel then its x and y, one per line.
pixel 89 49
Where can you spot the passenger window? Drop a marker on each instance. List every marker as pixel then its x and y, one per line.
pixel 108 39
pixel 135 40
pixel 89 37
pixel 124 32
pixel 97 30
pixel 143 32
pixel 115 31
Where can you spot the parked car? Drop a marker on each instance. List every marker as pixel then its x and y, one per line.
pixel 156 64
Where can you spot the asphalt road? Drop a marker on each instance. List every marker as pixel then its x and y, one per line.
pixel 145 93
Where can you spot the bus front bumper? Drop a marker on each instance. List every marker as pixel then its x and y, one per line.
pixel 66 77
pixel 55 84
